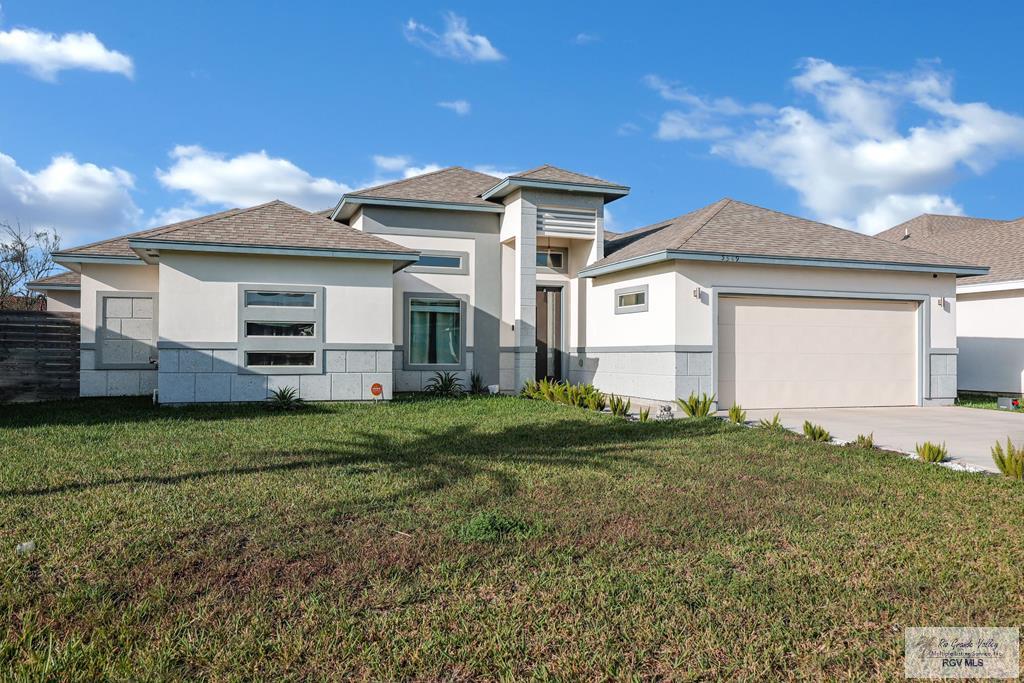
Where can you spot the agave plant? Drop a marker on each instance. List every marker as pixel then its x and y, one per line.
pixel 772 425
pixel 645 414
pixel 816 432
pixel 620 406
pixel 285 399
pixel 931 452
pixel 445 385
pixel 597 401
pixel 696 406
pixel 866 441
pixel 531 390
pixel 476 383
pixel 737 414
pixel 1010 460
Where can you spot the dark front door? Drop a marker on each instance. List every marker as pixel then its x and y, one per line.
pixel 549 332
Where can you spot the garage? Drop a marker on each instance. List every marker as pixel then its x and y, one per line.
pixel 802 352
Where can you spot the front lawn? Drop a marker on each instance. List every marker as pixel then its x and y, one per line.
pixel 484 538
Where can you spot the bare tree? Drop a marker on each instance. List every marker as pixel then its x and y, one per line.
pixel 25 255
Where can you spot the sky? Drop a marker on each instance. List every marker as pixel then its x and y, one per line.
pixel 119 116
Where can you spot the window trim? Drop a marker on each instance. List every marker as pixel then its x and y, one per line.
pixel 565 260
pixel 637 308
pixel 407 298
pixel 288 314
pixel 463 268
pixel 101 327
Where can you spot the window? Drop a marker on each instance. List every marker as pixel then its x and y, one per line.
pixel 449 262
pixel 275 358
pixel 298 299
pixel 552 259
pixel 631 299
pixel 268 329
pixel 435 332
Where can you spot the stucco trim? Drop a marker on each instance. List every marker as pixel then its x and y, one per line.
pixel 274 251
pixel 653 348
pixel 463 300
pixel 944 352
pixel 103 260
pixel 43 288
pixel 990 287
pixel 355 202
pixel 101 328
pixel 509 185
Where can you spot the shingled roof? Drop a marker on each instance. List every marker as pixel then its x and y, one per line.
pixel 453 185
pixel 274 224
pixel 729 227
pixel 993 243
pixel 560 175
pixel 65 280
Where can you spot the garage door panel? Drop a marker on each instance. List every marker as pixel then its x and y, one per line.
pixel 804 352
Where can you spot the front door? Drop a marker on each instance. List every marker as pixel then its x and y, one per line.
pixel 549 332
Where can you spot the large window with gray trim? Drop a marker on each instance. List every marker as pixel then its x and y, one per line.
pixel 280 329
pixel 435 332
pixel 552 259
pixel 446 262
pixel 631 299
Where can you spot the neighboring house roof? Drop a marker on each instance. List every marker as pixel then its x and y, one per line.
pixel 274 227
pixel 994 243
pixel 738 232
pixel 66 280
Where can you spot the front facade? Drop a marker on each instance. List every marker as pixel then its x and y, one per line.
pixel 514 279
pixel 990 307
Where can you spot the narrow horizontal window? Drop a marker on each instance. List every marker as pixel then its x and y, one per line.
pixel 259 329
pixel 439 261
pixel 551 259
pixel 632 299
pixel 300 299
pixel 271 359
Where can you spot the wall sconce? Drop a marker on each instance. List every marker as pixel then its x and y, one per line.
pixel 941 301
pixel 696 294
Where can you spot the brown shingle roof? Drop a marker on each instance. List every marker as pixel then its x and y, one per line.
pixel 274 224
pixel 560 175
pixel 454 185
pixel 68 278
pixel 993 243
pixel 734 228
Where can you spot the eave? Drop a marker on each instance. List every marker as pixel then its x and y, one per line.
pixel 508 185
pixel 349 203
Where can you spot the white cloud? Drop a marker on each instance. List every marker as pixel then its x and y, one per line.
pixel 496 171
pixel 460 107
pixel 175 214
pixel 627 128
pixel 81 201
pixel 399 164
pixel 845 152
pixel 455 42
pixel 585 38
pixel 391 163
pixel 45 55
pixel 245 180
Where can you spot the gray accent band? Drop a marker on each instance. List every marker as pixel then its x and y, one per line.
pixel 518 349
pixel 645 349
pixel 343 346
pixel 196 346
pixel 87 345
pixel 944 352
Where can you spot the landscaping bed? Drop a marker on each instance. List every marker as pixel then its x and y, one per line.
pixel 477 538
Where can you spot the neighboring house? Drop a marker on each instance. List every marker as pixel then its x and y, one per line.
pixel 990 307
pixel 514 279
pixel 62 291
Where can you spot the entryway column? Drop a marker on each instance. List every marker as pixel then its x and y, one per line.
pixel 526 296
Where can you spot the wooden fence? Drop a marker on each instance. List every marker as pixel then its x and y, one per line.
pixel 38 355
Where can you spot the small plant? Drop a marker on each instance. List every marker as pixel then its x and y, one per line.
pixel 445 385
pixel 737 414
pixel 816 432
pixel 772 425
pixel 695 406
pixel 285 399
pixel 531 390
pixel 1010 460
pixel 476 383
pixel 866 441
pixel 597 401
pixel 930 452
pixel 491 526
pixel 645 414
pixel 620 406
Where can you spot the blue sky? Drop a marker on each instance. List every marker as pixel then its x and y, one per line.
pixel 860 114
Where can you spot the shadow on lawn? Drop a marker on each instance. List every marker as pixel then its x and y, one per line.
pixel 434 460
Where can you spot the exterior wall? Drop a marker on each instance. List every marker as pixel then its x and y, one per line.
pixel 63 300
pixel 200 356
pixel 98 278
pixel 990 336
pixel 475 234
pixel 676 336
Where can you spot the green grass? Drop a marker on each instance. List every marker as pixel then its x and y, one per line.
pixel 969 400
pixel 482 538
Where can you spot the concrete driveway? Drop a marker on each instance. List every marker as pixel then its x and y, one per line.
pixel 969 433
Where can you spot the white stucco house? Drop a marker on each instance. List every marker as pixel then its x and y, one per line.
pixel 514 279
pixel 990 307
pixel 62 291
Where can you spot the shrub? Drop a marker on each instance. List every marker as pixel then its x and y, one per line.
pixel 493 526
pixel 531 390
pixel 596 400
pixel 476 383
pixel 620 406
pixel 930 452
pixel 445 385
pixel 773 425
pixel 816 432
pixel 865 441
pixel 1009 461
pixel 645 414
pixel 285 398
pixel 737 414
pixel 696 406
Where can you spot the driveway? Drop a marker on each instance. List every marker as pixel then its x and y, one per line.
pixel 969 433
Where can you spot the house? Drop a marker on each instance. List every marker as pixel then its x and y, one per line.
pixel 990 307
pixel 515 279
pixel 62 291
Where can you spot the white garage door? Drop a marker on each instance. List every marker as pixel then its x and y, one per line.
pixel 790 352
